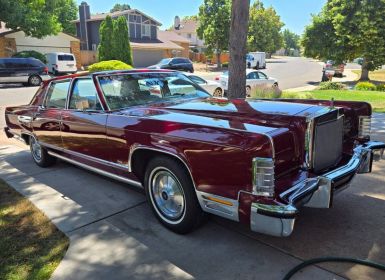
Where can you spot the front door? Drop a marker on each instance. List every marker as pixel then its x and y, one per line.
pixel 47 119
pixel 84 122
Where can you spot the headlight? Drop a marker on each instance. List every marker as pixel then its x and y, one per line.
pixel 364 126
pixel 263 177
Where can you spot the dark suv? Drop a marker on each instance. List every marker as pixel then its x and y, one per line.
pixel 29 71
pixel 175 63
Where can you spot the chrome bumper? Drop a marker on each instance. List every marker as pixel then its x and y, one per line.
pixel 317 192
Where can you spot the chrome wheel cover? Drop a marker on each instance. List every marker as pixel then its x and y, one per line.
pixel 35 149
pixel 35 80
pixel 218 93
pixel 167 195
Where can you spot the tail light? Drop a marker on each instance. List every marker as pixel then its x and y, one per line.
pixel 263 177
pixel 364 127
pixel 45 70
pixel 217 78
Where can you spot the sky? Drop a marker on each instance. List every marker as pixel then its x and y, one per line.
pixel 296 14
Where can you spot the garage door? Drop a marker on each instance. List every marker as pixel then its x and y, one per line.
pixel 43 49
pixel 144 58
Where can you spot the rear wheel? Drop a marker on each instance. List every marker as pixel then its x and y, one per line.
pixel 171 195
pixel 217 92
pixel 34 80
pixel 249 65
pixel 257 66
pixel 39 154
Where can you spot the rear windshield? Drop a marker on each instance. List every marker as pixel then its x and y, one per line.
pixel 65 57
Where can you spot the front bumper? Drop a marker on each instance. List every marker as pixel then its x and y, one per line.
pixel 317 192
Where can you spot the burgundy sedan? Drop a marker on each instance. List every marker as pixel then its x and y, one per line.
pixel 253 161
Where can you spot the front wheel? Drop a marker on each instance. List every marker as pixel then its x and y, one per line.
pixel 171 195
pixel 39 154
pixel 34 81
pixel 217 92
pixel 248 91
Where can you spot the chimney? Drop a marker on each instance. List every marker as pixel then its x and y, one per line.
pixel 84 14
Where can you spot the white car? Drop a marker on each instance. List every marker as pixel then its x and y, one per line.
pixel 253 78
pixel 61 63
pixel 256 60
pixel 211 87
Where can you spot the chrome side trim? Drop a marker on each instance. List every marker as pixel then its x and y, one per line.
pixel 214 207
pixel 97 170
pixel 90 158
pixel 24 119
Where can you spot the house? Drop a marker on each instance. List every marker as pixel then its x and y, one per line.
pixel 171 36
pixel 12 41
pixel 188 29
pixel 147 47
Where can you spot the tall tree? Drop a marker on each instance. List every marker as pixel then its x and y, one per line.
pixel 238 41
pixel 346 30
pixel 214 25
pixel 290 40
pixel 67 12
pixel 105 48
pixel 120 7
pixel 264 29
pixel 121 43
pixel 37 18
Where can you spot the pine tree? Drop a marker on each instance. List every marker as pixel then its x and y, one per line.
pixel 121 43
pixel 105 49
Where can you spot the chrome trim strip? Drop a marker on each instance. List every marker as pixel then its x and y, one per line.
pixel 87 157
pixel 24 119
pixel 97 170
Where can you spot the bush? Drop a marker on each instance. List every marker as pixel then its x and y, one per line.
pixel 108 65
pixel 365 86
pixel 297 95
pixel 34 54
pixel 225 65
pixel 331 85
pixel 265 92
pixel 380 87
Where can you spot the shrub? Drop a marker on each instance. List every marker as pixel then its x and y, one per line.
pixel 297 95
pixel 225 65
pixel 331 85
pixel 34 54
pixel 265 92
pixel 380 87
pixel 365 86
pixel 108 65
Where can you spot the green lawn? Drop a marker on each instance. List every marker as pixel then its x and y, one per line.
pixel 375 98
pixel 31 247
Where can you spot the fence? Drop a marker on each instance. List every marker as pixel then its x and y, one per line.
pixel 88 57
pixel 200 57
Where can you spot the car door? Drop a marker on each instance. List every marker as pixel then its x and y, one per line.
pixel 3 71
pixel 263 79
pixel 252 79
pixel 46 122
pixel 84 122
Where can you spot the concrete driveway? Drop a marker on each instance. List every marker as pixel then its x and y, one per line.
pixel 115 236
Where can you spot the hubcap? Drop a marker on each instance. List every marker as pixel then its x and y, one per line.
pixel 218 93
pixel 36 149
pixel 35 80
pixel 168 195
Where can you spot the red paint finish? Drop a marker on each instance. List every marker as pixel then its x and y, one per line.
pixel 216 139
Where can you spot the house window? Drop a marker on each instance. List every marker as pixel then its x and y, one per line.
pixel 146 30
pixel 94 48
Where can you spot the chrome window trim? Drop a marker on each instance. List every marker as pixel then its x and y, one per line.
pixel 43 105
pixel 74 80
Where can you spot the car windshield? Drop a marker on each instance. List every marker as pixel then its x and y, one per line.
pixel 133 89
pixel 164 61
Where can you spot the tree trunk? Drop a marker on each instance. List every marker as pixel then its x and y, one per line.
pixel 364 71
pixel 219 63
pixel 238 38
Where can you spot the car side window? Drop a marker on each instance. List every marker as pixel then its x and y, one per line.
pixel 262 75
pixel 252 76
pixel 197 79
pixel 84 96
pixel 57 95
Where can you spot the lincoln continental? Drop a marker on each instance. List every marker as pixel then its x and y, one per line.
pixel 258 162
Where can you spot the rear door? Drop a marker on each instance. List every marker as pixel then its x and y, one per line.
pixel 66 63
pixel 84 122
pixel 47 120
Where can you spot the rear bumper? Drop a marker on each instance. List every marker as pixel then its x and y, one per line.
pixel 317 192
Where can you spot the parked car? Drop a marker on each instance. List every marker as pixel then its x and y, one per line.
pixel 212 87
pixel 29 71
pixel 61 63
pixel 175 63
pixel 331 66
pixel 253 78
pixel 256 60
pixel 253 161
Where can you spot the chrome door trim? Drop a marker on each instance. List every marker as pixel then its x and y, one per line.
pixel 97 170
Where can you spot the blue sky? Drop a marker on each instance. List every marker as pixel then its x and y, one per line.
pixel 294 13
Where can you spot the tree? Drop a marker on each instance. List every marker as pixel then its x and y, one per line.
pixel 120 7
pixel 37 18
pixel 105 48
pixel 67 13
pixel 290 40
pixel 193 17
pixel 121 43
pixel 214 25
pixel 264 29
pixel 349 29
pixel 238 41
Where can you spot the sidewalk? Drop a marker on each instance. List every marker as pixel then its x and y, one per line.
pixel 114 235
